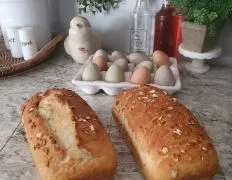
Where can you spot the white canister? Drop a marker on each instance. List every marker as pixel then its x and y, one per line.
pixel 24 13
pixel 5 37
pixel 14 42
pixel 28 43
pixel 4 33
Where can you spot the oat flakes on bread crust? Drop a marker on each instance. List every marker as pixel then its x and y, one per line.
pixel 166 139
pixel 66 138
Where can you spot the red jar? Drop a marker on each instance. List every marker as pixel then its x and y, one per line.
pixel 163 26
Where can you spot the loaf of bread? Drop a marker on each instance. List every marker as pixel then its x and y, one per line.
pixel 164 136
pixel 66 138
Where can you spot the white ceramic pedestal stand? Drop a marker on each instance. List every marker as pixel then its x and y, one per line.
pixel 198 59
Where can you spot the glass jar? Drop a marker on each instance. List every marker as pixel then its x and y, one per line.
pixel 163 28
pixel 141 28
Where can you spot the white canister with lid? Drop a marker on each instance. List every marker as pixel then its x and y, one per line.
pixel 4 33
pixel 14 42
pixel 28 43
pixel 33 13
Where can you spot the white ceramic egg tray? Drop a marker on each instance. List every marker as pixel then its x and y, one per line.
pixel 93 87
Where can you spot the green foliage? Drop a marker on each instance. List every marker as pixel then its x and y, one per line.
pixel 208 12
pixel 95 6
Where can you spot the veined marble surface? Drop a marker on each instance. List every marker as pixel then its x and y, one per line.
pixel 208 96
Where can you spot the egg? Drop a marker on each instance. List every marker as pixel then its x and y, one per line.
pixel 91 73
pixel 147 64
pixel 100 52
pixel 141 75
pixel 122 63
pixel 116 55
pixel 114 74
pixel 160 58
pixel 100 58
pixel 164 76
pixel 101 62
pixel 138 57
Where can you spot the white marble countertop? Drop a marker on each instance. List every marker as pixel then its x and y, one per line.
pixel 208 96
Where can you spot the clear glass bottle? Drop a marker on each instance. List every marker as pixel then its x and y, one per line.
pixel 141 28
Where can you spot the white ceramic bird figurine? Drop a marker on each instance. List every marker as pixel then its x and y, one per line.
pixel 82 41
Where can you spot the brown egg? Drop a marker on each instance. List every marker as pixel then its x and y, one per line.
pixel 101 62
pixel 160 58
pixel 141 75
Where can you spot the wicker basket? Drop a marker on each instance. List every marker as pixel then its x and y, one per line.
pixel 10 65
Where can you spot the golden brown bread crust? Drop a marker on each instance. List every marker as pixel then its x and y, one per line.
pixel 165 137
pixel 51 156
